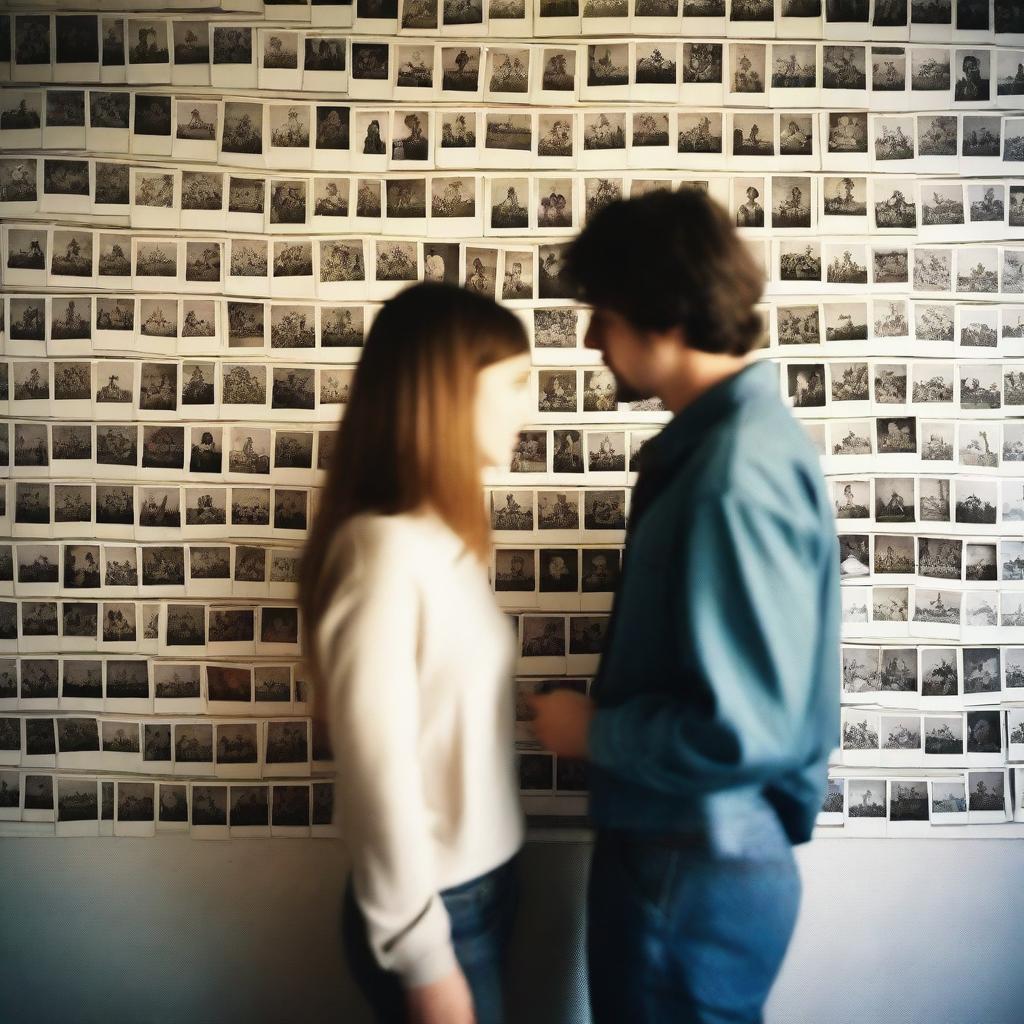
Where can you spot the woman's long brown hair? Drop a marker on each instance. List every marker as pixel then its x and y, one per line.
pixel 407 435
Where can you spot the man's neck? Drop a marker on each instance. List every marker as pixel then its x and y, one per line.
pixel 697 372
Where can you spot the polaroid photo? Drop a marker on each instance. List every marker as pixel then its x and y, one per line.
pixel 33 48
pixel 289 207
pixel 64 120
pixel 279 66
pixel 112 191
pixel 196 128
pixel 209 805
pixel 25 250
pixel 844 79
pixel 507 74
pixel 246 203
pixel 663 17
pixel 331 203
pixel 559 579
pixel 370 74
pixel 230 631
pixel 120 745
pixel 893 142
pixel 1008 84
pixel 292 271
pixel 753 135
pixel 341 327
pixel 248 452
pixel 109 121
pixel 249 811
pixel 794 73
pixel 115 331
pixel 290 810
pixel 396 263
pixel 557 18
pixel 172 801
pixel 293 392
pixel 981 150
pixel 333 389
pixel 203 202
pixel 947 800
pixel 455 206
pixel 508 203
pixel 242 133
pixel 556 81
pixel 73 389
pixel 410 139
pixel 508 139
pixel 325 63
pixel 151 125
pixel 972 77
pixel 888 85
pixel 234 56
pixel 988 796
pixel 514 577
pixel 77 806
pixel 908 807
pixel 518 275
pixel 205 506
pixel 505 18
pixel 460 72
pixel 67 186
pixel 376 16
pixel 369 213
pixel 608 70
pixel 511 513
pixel 331 140
pixel 190 42
pixel 557 143
pixel 702 82
pixel 937 138
pixel 543 644
pixel 651 142
pixel 414 71
pixel 21 119
pixel 604 139
pixel 76 48
pixel 900 736
pixel 156 197
pixel 70 325
pixel 289 135
pixel 341 268
pixel 405 205
pixel 148 51
pixel 371 134
pixel 746 74
pixel 112 50
pixel 655 70
pixel 798 146
pixel 456 145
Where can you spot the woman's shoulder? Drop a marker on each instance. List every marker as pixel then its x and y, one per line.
pixel 401 535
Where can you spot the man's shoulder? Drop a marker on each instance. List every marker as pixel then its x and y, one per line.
pixel 759 452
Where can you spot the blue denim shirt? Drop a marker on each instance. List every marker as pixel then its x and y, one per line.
pixel 718 692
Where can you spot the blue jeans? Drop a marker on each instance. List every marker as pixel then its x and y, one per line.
pixel 481 912
pixel 680 934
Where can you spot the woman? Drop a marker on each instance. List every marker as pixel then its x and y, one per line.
pixel 413 657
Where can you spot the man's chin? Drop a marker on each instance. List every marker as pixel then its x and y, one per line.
pixel 627 393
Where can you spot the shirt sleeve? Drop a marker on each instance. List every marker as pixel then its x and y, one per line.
pixel 368 644
pixel 745 611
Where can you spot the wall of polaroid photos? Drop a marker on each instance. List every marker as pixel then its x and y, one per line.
pixel 201 213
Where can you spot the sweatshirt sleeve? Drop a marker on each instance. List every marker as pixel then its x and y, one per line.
pixel 745 611
pixel 368 646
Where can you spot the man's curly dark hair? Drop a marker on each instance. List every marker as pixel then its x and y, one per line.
pixel 671 259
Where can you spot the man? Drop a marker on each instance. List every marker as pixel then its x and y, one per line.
pixel 716 705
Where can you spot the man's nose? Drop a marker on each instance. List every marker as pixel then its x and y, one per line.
pixel 592 339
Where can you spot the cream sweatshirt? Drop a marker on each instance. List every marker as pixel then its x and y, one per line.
pixel 418 660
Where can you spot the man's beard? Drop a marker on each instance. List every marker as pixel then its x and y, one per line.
pixel 625 392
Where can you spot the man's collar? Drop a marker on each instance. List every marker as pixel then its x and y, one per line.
pixel 681 433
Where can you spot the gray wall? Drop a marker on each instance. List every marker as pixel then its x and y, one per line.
pixel 154 931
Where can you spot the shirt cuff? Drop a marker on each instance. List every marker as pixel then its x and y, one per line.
pixel 600 743
pixel 432 966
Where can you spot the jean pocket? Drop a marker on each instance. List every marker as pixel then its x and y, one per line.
pixel 651 871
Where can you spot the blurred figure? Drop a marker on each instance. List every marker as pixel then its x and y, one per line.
pixel 413 660
pixel 716 704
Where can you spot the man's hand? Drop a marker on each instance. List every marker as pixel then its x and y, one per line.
pixel 561 720
pixel 445 1001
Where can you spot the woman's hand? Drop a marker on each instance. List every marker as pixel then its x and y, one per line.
pixel 445 1001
